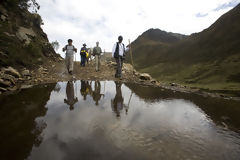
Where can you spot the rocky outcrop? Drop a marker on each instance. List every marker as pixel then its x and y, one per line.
pixel 25 34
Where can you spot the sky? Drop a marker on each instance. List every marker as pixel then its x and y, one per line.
pixel 89 21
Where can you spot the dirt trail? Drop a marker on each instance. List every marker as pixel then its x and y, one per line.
pixel 56 71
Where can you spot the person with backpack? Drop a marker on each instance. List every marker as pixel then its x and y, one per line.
pixel 97 53
pixel 83 54
pixel 70 49
pixel 118 53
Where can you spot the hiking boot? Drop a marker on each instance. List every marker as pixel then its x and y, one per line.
pixel 70 72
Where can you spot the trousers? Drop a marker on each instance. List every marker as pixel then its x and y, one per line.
pixel 69 63
pixel 119 61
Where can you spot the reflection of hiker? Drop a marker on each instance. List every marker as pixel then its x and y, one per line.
pixel 84 55
pixel 97 53
pixel 70 49
pixel 117 102
pixel 118 53
pixel 71 100
pixel 97 92
pixel 85 89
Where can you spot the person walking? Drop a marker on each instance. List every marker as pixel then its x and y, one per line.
pixel 97 53
pixel 83 54
pixel 70 49
pixel 118 53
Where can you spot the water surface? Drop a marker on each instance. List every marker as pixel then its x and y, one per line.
pixel 111 120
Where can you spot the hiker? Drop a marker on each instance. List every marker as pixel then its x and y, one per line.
pixel 84 55
pixel 71 99
pixel 118 53
pixel 70 49
pixel 97 53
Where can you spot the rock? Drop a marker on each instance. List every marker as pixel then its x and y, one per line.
pixel 128 67
pixel 25 34
pixel 5 84
pixel 3 18
pixel 3 54
pixel 9 78
pixel 8 34
pixel 3 89
pixel 153 81
pixel 12 71
pixel 145 76
pixel 26 72
pixel 26 86
pixel 173 84
pixel 39 60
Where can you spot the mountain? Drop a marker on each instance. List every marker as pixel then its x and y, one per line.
pixel 209 59
pixel 22 40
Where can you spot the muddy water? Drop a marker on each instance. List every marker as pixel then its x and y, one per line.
pixel 110 120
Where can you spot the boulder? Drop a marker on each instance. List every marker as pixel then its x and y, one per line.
pixel 128 67
pixel 12 71
pixel 4 83
pixel 26 72
pixel 145 76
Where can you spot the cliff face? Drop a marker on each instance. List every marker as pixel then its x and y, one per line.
pixel 22 40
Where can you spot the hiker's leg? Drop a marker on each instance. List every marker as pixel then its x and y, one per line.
pixel 120 66
pixel 116 74
pixel 99 62
pixel 67 62
pixel 96 57
pixel 70 63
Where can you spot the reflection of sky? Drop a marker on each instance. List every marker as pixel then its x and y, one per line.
pixel 174 120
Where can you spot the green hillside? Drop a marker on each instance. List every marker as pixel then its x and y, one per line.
pixel 209 59
pixel 22 40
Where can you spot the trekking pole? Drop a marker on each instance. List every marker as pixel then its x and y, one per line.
pixel 131 52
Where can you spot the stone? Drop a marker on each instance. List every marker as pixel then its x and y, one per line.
pixel 5 84
pixel 3 54
pixel 173 84
pixel 153 81
pixel 3 18
pixel 26 72
pixel 8 34
pixel 25 34
pixel 12 71
pixel 9 78
pixel 3 89
pixel 145 76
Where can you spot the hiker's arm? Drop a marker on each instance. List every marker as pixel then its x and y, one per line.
pixel 113 50
pixel 75 49
pixel 127 48
pixel 64 49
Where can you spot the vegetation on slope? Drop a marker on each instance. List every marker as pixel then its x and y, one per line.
pixel 209 59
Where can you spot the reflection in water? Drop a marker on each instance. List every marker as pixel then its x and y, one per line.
pixel 96 94
pixel 117 103
pixel 160 125
pixel 71 99
pixel 19 131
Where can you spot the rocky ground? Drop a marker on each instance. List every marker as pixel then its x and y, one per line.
pixel 52 72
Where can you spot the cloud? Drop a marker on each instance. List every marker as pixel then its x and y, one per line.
pixel 227 5
pixel 104 20
pixel 200 15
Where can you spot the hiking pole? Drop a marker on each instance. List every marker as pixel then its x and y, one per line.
pixel 130 48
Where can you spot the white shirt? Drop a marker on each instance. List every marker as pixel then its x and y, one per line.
pixel 69 50
pixel 121 49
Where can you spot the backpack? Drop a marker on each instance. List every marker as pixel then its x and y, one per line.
pixel 116 53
